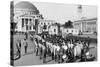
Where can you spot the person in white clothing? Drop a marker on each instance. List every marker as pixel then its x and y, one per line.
pixel 77 51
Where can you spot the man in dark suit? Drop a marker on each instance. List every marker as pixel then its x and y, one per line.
pixel 26 45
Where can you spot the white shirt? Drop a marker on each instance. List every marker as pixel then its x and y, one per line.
pixel 80 45
pixel 49 44
pixel 35 43
pixel 77 51
pixel 71 45
pixel 87 54
pixel 43 47
pixel 64 56
pixel 40 45
pixel 54 48
pixel 58 48
pixel 65 47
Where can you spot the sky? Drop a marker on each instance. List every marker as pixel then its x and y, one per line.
pixel 64 12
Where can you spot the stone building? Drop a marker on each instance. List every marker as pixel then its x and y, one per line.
pixel 26 15
pixel 86 25
pixel 43 25
pixel 68 31
pixel 54 29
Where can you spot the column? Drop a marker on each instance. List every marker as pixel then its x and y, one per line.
pixel 81 27
pixel 24 25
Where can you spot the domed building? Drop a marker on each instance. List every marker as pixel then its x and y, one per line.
pixel 26 15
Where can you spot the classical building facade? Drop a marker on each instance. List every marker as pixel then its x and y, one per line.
pixel 26 15
pixel 86 25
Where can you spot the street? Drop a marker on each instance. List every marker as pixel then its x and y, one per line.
pixel 31 59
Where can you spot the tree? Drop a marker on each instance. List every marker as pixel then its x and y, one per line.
pixel 68 24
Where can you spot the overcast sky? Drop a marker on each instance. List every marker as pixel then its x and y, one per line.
pixel 64 12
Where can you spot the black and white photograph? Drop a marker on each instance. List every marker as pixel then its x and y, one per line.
pixel 52 33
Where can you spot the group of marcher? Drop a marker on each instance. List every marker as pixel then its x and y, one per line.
pixel 60 49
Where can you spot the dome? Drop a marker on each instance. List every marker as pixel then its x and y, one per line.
pixel 25 5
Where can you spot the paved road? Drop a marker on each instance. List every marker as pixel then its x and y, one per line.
pixel 31 59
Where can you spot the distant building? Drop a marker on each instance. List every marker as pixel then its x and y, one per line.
pixel 43 25
pixel 86 25
pixel 54 29
pixel 26 15
pixel 69 31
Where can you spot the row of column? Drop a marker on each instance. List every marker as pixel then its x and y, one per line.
pixel 85 26
pixel 28 24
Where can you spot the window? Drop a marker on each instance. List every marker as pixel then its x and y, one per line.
pixel 54 30
pixel 26 20
pixel 39 16
pixel 26 27
pixel 67 30
pixel 22 22
pixel 33 22
pixel 41 23
pixel 48 23
pixel 30 19
pixel 34 27
pixel 36 21
pixel 33 16
pixel 16 27
pixel 30 27
pixel 72 30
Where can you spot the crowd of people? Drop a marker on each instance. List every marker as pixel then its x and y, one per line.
pixel 61 49
pixel 57 48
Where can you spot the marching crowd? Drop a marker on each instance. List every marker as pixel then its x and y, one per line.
pixel 60 49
